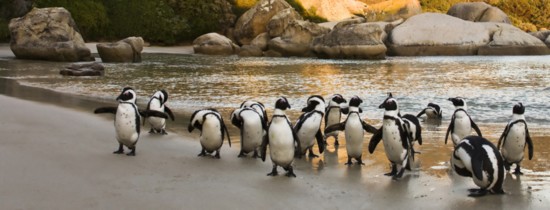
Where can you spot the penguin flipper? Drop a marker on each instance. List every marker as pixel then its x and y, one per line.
pixel 368 128
pixel 336 127
pixel 450 128
pixel 529 142
pixel 169 112
pixel 153 113
pixel 375 139
pixel 296 140
pixel 320 141
pixel 101 110
pixel 226 131
pixel 263 147
pixel 300 122
pixel 474 126
pixel 421 113
pixel 477 166
pixel 501 139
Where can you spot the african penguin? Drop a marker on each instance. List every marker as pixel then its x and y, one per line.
pixel 281 138
pixel 413 128
pixel 476 157
pixel 308 126
pixel 258 106
pixel 432 111
pixel 513 140
pixel 252 126
pixel 461 124
pixel 128 120
pixel 395 137
pixel 158 103
pixel 354 128
pixel 333 114
pixel 213 130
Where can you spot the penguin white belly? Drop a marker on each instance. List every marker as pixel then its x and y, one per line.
pixel 514 144
pixel 156 122
pixel 126 124
pixel 354 137
pixel 307 132
pixel 462 127
pixel 431 113
pixel 252 134
pixel 281 144
pixel 333 118
pixel 211 136
pixel 392 142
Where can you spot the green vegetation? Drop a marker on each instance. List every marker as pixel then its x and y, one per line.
pixel 174 21
pixel 528 15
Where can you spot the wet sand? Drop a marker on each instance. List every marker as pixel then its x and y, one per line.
pixel 58 155
pixel 59 158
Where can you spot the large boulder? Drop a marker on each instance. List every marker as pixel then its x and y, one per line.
pixel 254 21
pixel 334 10
pixel 543 36
pixel 353 40
pixel 47 34
pixel 125 51
pixel 278 23
pixel 214 44
pixel 439 34
pixel 509 40
pixel 297 39
pixel 478 12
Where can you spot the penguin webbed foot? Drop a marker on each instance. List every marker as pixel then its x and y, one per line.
pixel 349 163
pixel 217 155
pixel 273 172
pixel 518 171
pixel 359 161
pixel 255 155
pixel 393 171
pixel 241 154
pixel 290 172
pixel 202 154
pixel 163 132
pixel 477 192
pixel 152 131
pixel 120 150
pixel 132 153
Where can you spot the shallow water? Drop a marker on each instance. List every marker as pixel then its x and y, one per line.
pixel 491 85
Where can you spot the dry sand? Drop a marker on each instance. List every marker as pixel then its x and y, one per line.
pixel 53 157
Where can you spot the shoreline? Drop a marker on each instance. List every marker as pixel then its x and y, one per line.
pixel 70 151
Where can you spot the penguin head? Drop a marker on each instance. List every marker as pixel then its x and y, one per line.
pixel 355 101
pixel 337 99
pixel 282 103
pixel 458 101
pixel 519 108
pixel 313 102
pixel 390 104
pixel 128 95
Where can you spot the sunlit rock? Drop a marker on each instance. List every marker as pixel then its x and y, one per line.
pixel 297 38
pixel 126 50
pixel 47 34
pixel 254 21
pixel 278 23
pixel 478 12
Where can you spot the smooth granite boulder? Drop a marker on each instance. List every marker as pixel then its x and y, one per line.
pixel 214 44
pixel 125 51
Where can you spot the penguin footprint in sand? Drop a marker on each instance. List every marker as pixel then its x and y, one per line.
pixel 128 120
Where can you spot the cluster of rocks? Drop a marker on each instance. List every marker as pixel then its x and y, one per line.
pixel 273 28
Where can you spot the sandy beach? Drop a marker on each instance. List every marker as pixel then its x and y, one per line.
pixel 58 155
pixel 59 158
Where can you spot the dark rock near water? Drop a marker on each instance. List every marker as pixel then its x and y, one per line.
pixel 124 51
pixel 47 34
pixel 86 69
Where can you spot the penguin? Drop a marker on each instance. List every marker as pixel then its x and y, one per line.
pixel 213 130
pixel 461 123
pixel 258 106
pixel 158 103
pixel 333 114
pixel 513 140
pixel 414 129
pixel 476 157
pixel 128 119
pixel 354 128
pixel 432 111
pixel 308 126
pixel 396 140
pixel 282 140
pixel 253 128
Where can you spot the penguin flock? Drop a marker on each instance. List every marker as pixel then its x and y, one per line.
pixel 473 155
